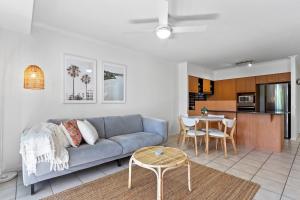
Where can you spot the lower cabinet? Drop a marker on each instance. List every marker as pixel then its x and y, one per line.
pixel 260 131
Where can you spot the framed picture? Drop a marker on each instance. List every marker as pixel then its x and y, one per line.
pixel 113 83
pixel 80 83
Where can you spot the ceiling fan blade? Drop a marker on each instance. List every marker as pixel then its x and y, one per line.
pixel 163 12
pixel 143 21
pixel 188 29
pixel 209 16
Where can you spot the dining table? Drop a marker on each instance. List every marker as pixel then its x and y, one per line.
pixel 207 119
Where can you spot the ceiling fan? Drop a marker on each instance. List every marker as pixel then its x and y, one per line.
pixel 165 21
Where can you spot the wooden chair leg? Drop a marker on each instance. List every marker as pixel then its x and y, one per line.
pixel 201 141
pixel 183 140
pixel 233 144
pixel 217 140
pixel 222 145
pixel 196 148
pixel 179 138
pixel 225 147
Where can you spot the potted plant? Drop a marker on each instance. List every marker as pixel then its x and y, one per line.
pixel 204 111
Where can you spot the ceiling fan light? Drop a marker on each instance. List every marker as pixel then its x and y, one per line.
pixel 163 32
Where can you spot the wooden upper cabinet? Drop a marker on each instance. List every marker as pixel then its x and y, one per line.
pixel 284 77
pixel 261 79
pixel 274 78
pixel 244 85
pixel 224 90
pixel 193 84
pixel 206 86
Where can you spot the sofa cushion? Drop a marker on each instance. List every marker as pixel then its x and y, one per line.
pixel 72 132
pixel 120 125
pixel 97 122
pixel 88 153
pixel 88 132
pixel 133 141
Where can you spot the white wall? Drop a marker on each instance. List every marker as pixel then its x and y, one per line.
pixel 182 80
pixel 199 71
pixel 297 88
pixel 271 67
pixel 294 104
pixel 151 84
pixel 298 98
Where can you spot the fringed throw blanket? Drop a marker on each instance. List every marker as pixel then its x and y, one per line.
pixel 42 143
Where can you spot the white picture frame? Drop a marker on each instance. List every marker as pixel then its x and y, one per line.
pixel 80 80
pixel 113 82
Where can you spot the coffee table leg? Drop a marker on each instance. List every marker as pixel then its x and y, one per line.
pixel 189 176
pixel 129 174
pixel 159 184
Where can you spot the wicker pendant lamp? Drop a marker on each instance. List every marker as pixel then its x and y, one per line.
pixel 34 78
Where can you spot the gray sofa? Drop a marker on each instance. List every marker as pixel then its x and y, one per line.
pixel 119 136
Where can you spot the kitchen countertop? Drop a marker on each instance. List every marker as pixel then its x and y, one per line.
pixel 249 112
pixel 255 112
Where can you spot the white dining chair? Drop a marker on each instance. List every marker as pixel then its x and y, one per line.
pixel 189 126
pixel 182 129
pixel 225 134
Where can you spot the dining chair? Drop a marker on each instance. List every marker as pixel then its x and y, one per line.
pixel 182 130
pixel 191 131
pixel 219 116
pixel 227 133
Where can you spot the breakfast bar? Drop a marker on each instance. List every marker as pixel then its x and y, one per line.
pixel 263 131
pixel 259 130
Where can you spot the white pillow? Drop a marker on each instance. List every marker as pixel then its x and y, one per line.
pixel 62 136
pixel 88 131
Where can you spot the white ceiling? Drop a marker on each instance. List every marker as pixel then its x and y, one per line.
pixel 248 29
pixel 16 15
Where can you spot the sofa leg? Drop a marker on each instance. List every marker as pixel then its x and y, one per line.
pixel 32 189
pixel 119 163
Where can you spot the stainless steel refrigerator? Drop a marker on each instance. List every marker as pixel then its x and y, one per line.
pixel 275 98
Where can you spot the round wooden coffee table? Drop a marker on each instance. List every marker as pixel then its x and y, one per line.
pixel 160 159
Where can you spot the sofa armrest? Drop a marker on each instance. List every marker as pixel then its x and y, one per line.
pixel 158 126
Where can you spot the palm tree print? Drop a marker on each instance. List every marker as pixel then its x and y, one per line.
pixel 74 72
pixel 86 79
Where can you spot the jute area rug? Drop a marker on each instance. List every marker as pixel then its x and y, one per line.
pixel 207 183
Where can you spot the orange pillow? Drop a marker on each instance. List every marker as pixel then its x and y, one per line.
pixel 72 132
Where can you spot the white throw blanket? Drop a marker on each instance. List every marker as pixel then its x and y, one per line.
pixel 42 143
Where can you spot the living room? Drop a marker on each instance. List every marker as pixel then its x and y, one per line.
pixel 41 39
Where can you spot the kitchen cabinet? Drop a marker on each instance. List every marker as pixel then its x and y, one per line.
pixel 261 131
pixel 274 78
pixel 224 90
pixel 261 79
pixel 197 85
pixel 206 86
pixel 244 85
pixel 193 84
pixel 284 77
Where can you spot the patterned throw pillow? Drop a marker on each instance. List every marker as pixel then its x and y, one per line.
pixel 72 132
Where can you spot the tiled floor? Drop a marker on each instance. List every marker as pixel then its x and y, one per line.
pixel 277 173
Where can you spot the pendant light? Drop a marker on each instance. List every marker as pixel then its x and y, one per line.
pixel 34 78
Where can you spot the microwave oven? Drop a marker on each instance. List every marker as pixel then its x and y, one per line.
pixel 246 102
pixel 246 99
